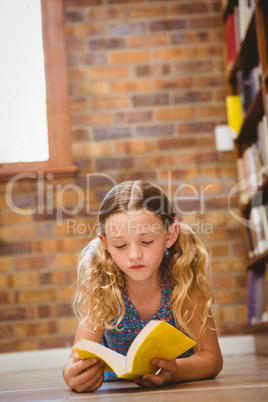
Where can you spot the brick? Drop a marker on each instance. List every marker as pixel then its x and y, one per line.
pixel 150 100
pixel 5 235
pixel 66 293
pixel 209 81
pixel 181 174
pixel 23 232
pixel 177 143
pixel 148 41
pixel 207 141
pixel 19 280
pixel 219 250
pixel 89 59
pixel 196 67
pixel 34 263
pixel 147 11
pixel 192 96
pixel 189 37
pixel 231 296
pixel 140 146
pixel 197 127
pixel 73 16
pixel 17 313
pixel 156 160
pixel 79 104
pixel 229 265
pixel 125 28
pixel 94 119
pixel 199 157
pixel 173 83
pixel 109 102
pixel 6 331
pixel 56 278
pixel 207 111
pixel 140 56
pixel 105 73
pixel 18 345
pixel 207 51
pixel 16 248
pixel 35 329
pixel 174 114
pixel 55 310
pixel 198 7
pixel 218 171
pixel 5 264
pixel 205 22
pixel 76 74
pixel 107 44
pixel 54 245
pixel 13 217
pixel 85 150
pixel 154 130
pixel 90 88
pixel 81 135
pixel 106 13
pixel 67 260
pixel 75 44
pixel 224 314
pixel 170 54
pixel 68 325
pixel 6 297
pixel 167 25
pixel 114 163
pixel 35 295
pixel 81 3
pixel 153 69
pixel 132 86
pixel 112 133
pixel 222 281
pixel 133 117
pixel 56 342
pixel 76 30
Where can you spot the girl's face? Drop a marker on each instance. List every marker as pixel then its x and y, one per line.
pixel 137 241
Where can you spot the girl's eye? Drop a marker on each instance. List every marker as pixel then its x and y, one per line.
pixel 123 245
pixel 147 242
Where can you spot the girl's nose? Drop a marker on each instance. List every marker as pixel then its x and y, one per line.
pixel 134 253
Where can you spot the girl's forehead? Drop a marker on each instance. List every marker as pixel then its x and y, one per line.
pixel 138 222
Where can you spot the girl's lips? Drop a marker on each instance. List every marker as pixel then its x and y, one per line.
pixel 139 266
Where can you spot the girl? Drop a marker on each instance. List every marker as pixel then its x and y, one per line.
pixel 144 265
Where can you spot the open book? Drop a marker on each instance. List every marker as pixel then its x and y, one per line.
pixel 157 339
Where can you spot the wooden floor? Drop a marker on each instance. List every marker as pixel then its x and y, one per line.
pixel 244 378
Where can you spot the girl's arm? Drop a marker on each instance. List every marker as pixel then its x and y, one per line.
pixel 84 375
pixel 206 363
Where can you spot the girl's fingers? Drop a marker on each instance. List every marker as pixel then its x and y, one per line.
pixel 91 379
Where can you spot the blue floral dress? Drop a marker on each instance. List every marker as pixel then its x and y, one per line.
pixel 131 324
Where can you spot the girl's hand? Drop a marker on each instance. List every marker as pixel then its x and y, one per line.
pixel 83 375
pixel 166 374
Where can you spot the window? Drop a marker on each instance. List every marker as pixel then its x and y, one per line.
pixel 57 99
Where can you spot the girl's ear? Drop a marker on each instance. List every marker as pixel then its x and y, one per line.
pixel 172 234
pixel 103 240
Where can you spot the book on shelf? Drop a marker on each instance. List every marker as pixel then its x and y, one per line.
pixel 158 339
pixel 245 8
pixel 234 113
pixel 249 84
pixel 257 231
pixel 230 40
pixel 258 297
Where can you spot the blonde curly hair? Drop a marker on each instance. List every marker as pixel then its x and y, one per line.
pixel 100 282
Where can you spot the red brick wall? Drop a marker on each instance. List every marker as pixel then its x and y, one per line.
pixel 147 88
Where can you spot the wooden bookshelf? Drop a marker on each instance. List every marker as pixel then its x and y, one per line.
pixel 253 52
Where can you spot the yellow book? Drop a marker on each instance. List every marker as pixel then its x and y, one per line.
pixel 234 113
pixel 157 339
